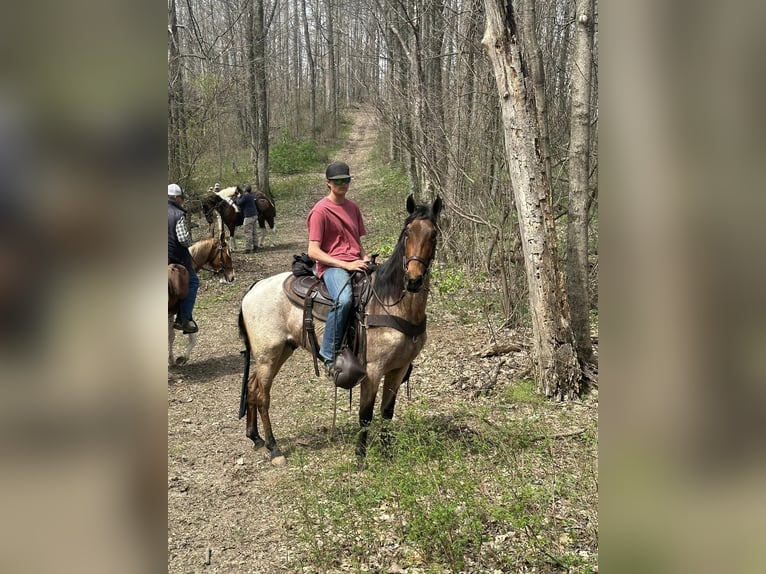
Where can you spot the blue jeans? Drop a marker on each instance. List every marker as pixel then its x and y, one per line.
pixel 339 287
pixel 187 305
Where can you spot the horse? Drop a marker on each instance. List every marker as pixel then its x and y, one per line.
pixel 266 213
pixel 222 203
pixel 212 254
pixel 271 328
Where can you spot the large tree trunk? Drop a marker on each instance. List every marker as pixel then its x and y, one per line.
pixel 558 371
pixel 534 56
pixel 579 166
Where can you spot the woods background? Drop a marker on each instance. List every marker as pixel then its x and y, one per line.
pixel 246 77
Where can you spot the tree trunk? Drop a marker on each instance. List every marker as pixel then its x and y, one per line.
pixel 176 107
pixel 579 167
pixel 534 56
pixel 332 81
pixel 311 68
pixel 262 131
pixel 251 88
pixel 558 371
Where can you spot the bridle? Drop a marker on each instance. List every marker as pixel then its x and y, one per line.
pixel 405 262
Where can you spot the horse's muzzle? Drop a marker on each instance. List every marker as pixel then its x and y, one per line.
pixel 414 285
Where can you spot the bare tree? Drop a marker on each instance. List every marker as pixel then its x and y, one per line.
pixel 261 101
pixel 579 171
pixel 176 107
pixel 558 371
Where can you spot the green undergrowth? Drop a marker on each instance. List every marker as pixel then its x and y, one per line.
pixel 458 492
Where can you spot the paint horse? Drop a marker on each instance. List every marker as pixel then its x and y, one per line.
pixel 266 213
pixel 271 327
pixel 221 205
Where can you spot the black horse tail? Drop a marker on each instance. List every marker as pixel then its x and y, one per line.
pixel 246 354
pixel 246 374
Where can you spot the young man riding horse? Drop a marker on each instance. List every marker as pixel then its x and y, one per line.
pixel 335 228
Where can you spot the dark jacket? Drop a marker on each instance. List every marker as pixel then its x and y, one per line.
pixel 177 253
pixel 247 204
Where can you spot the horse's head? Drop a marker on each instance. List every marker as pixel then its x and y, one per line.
pixel 420 235
pixel 208 207
pixel 220 261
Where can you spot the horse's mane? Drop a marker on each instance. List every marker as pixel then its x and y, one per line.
pixel 195 247
pixel 389 277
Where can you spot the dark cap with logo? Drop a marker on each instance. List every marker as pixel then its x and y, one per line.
pixel 338 170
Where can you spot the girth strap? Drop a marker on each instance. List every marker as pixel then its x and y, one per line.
pixel 402 325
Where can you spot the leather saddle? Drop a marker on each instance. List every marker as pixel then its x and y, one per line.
pixel 309 293
pixel 298 289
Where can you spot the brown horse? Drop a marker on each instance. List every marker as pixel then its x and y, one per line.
pixel 266 213
pixel 212 254
pixel 271 327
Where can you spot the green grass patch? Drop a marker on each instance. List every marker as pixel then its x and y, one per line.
pixel 522 391
pixel 290 155
pixel 453 493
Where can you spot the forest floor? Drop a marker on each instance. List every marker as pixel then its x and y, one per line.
pixel 230 510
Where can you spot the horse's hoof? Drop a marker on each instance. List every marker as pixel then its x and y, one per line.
pixel 180 361
pixel 279 460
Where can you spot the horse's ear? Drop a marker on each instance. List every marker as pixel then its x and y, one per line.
pixel 437 206
pixel 410 204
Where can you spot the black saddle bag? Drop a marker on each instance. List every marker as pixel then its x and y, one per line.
pixel 303 265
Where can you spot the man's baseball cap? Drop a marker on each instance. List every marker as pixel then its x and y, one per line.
pixel 174 190
pixel 337 170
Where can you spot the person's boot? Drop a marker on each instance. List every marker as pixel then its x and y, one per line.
pixel 189 327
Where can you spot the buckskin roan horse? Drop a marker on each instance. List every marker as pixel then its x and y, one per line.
pixel 271 326
pixel 211 254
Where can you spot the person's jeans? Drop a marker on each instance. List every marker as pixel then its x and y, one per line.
pixel 187 305
pixel 339 287
pixel 249 229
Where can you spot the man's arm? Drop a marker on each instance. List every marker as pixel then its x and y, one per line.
pixel 316 253
pixel 182 232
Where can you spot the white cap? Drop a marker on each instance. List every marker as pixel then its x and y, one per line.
pixel 174 190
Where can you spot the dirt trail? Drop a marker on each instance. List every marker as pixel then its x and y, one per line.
pixel 221 517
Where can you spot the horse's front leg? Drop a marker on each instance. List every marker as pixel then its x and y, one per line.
pixel 368 391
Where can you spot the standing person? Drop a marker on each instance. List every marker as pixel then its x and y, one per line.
pixel 335 228
pixel 179 240
pixel 246 202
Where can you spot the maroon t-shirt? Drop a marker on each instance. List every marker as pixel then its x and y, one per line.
pixel 337 228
